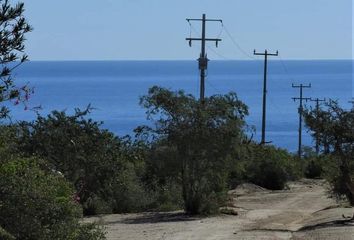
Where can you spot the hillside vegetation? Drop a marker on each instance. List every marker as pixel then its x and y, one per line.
pixel 60 167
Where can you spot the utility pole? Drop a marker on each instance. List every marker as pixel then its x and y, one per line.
pixel 301 86
pixel 203 60
pixel 317 100
pixel 265 54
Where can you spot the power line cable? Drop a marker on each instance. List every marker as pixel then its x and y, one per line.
pixel 233 40
pixel 218 53
pixel 213 86
pixel 221 30
pixel 290 76
pixel 286 69
pixel 278 108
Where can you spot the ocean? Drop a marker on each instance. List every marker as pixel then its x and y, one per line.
pixel 113 88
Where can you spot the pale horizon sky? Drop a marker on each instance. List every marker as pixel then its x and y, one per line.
pixel 156 29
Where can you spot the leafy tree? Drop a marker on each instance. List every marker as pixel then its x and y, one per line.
pixel 199 137
pixel 94 160
pixel 36 203
pixel 334 127
pixel 13 28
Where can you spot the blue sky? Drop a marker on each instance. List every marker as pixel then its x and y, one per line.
pixel 156 29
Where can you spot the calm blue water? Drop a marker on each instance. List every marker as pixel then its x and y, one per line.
pixel 113 88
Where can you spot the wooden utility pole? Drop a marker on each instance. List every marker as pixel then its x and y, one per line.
pixel 301 86
pixel 203 60
pixel 265 54
pixel 317 100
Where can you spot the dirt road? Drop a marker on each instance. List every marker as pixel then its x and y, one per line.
pixel 304 212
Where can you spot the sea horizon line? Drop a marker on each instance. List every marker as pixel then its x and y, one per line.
pixel 186 60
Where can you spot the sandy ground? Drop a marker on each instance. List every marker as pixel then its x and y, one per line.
pixel 304 212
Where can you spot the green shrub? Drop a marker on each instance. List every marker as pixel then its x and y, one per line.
pixel 332 172
pixel 312 164
pixel 129 193
pixel 269 167
pixel 4 235
pixel 38 204
pixel 161 177
pixel 8 145
pixel 313 168
pixel 94 160
pixel 89 231
pixel 169 197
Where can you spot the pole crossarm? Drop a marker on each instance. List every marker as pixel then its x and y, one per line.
pixel 317 100
pixel 304 98
pixel 265 53
pixel 206 39
pixel 301 86
pixel 201 19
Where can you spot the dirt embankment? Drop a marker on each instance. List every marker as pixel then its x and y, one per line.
pixel 304 212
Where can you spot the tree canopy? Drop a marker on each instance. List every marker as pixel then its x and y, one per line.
pixel 13 28
pixel 333 126
pixel 200 137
